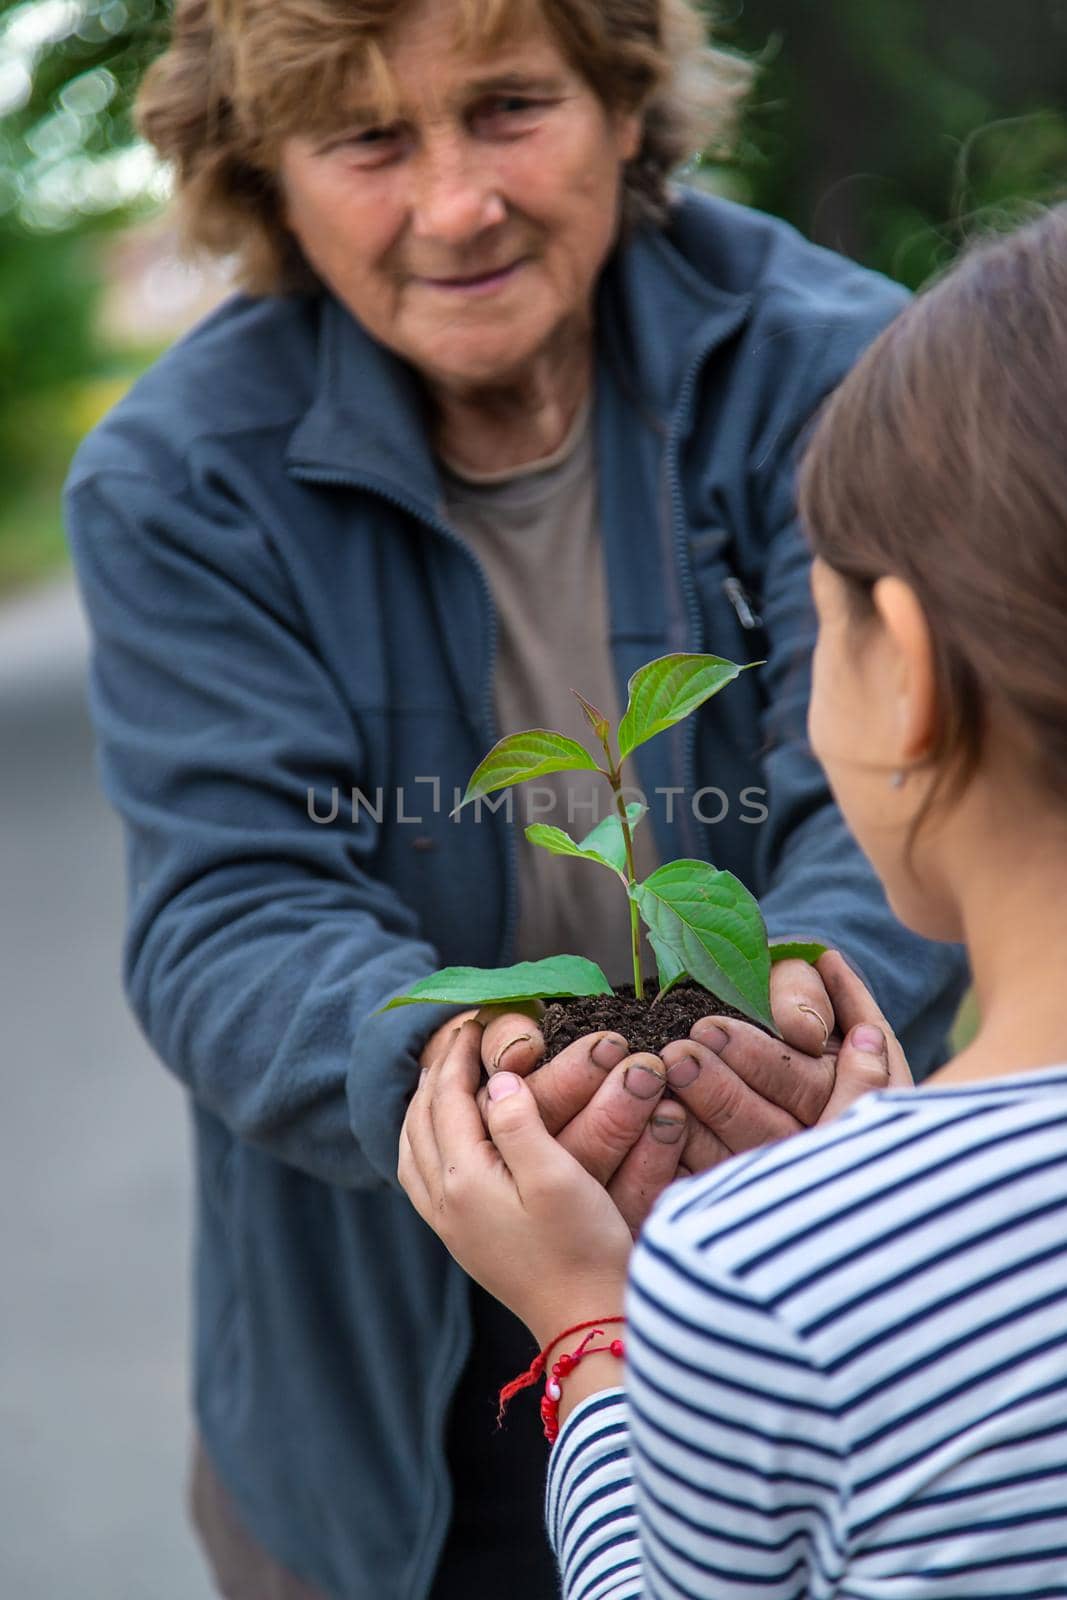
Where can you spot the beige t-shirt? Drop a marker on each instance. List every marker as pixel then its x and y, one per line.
pixel 536 532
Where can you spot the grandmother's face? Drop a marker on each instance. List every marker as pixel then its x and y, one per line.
pixel 468 232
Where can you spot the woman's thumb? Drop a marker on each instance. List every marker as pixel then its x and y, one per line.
pixel 862 1065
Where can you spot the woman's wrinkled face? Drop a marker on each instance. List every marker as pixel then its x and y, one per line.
pixel 467 232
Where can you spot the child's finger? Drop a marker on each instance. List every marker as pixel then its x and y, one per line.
pixel 537 1163
pixel 410 1178
pixel 863 1065
pixel 450 1088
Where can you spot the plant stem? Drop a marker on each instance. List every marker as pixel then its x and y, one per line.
pixel 615 779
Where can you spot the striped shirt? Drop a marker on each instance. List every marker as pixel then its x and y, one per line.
pixel 846 1368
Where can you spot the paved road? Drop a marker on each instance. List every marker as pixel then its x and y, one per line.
pixel 94 1202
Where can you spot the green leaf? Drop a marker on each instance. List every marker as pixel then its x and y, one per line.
pixel 606 838
pixel 712 925
pixel 533 754
pixel 797 952
pixel 605 844
pixel 557 977
pixel 561 844
pixel 667 690
pixel 669 968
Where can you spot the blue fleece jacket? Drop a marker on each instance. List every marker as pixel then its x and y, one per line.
pixel 281 616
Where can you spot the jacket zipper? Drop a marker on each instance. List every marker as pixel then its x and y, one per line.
pixel 693 831
pixel 438 526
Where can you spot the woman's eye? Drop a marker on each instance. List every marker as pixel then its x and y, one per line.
pixel 510 109
pixel 369 142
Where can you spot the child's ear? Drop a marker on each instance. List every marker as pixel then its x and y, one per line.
pixel 911 660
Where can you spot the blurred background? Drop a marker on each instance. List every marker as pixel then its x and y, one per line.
pixel 888 129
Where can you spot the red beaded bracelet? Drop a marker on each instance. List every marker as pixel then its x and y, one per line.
pixel 566 1363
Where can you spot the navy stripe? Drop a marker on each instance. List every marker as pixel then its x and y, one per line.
pixel 946 1209
pixel 883 1152
pixel 749 1580
pixel 747 1430
pixel 783 1508
pixel 698 1280
pixel 926 1263
pixel 812 1151
pixel 971 1336
pixel 703 1327
pixel 988 1487
pixel 933 1445
pixel 575 1572
pixel 736 1464
pixel 576 1504
pixel 974 1380
pixel 605 1520
pixel 1022 1519
pixel 707 1373
pixel 773 1546
pixel 1016 1558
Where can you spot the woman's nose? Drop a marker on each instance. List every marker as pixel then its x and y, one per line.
pixel 456 196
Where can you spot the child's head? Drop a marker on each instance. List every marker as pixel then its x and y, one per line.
pixel 934 492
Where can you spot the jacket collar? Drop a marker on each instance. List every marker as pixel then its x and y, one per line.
pixel 367 421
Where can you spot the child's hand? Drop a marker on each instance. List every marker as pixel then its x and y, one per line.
pixel 517 1212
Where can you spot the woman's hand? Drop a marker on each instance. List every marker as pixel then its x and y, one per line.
pixel 743 1089
pixel 519 1214
pixel 869 1056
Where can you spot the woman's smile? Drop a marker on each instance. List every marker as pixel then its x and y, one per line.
pixel 476 285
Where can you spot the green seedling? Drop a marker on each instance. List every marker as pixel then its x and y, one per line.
pixel 703 924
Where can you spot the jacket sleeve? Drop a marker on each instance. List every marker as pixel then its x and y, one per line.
pixel 257 946
pixel 817 882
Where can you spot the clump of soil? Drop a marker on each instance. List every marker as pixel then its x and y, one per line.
pixel 643 1025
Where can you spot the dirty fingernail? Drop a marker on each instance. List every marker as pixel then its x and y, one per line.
pixel 683 1072
pixel 609 1051
pixel 668 1130
pixel 870 1040
pixel 642 1081
pixel 710 1035
pixel 521 1038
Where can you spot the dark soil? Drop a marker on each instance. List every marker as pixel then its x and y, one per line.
pixel 643 1025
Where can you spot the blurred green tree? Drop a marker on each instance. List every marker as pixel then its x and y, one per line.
pixel 890 129
pixel 69 169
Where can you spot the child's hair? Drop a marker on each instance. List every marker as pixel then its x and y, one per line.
pixel 942 460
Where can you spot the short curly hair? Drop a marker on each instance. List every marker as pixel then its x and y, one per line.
pixel 239 76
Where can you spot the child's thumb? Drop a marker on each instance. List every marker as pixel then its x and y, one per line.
pixel 515 1124
pixel 862 1065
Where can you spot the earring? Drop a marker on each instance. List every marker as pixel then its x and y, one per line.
pixel 898 779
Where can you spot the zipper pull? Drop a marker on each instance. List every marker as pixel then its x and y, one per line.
pixel 739 599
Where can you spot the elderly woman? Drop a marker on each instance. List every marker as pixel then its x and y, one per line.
pixel 501 413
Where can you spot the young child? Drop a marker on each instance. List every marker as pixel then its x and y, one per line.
pixel 846 1353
